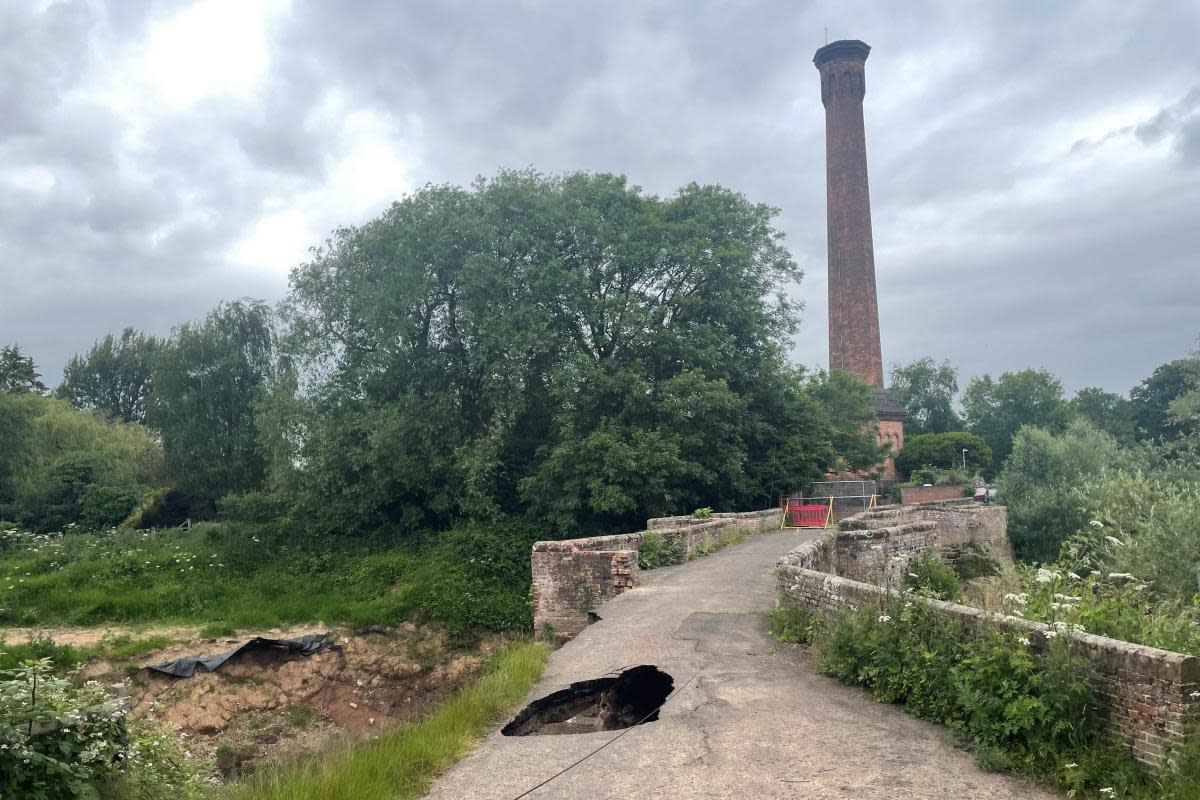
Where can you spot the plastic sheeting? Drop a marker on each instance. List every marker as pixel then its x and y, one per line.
pixel 306 645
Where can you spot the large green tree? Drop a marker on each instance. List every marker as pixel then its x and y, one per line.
pixel 205 382
pixel 1108 411
pixel 568 346
pixel 944 451
pixel 926 389
pixel 113 377
pixel 1152 399
pixel 18 373
pixel 997 408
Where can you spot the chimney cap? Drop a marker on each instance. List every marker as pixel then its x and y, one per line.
pixel 844 49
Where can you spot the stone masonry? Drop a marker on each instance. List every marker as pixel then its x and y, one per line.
pixel 1148 692
pixel 573 577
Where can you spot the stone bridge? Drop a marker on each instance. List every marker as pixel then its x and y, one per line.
pixel 750 718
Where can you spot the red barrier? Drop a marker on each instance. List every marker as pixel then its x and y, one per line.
pixel 806 516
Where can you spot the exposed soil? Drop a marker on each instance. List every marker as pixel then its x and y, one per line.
pixel 263 706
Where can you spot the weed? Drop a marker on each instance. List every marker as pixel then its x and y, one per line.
pixel 790 623
pixel 930 577
pixel 301 716
pixel 657 550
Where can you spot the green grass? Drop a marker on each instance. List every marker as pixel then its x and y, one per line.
pixel 246 575
pixel 403 763
pixel 66 656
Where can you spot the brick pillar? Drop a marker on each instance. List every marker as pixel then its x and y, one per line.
pixel 853 307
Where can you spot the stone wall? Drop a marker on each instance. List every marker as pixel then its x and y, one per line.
pixel 697 534
pixel 963 526
pixel 929 494
pixel 573 577
pixel 882 555
pixel 1148 692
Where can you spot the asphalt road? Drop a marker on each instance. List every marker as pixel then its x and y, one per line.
pixel 753 719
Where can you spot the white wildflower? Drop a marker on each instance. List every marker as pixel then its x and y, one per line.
pixel 1050 634
pixel 1045 575
pixel 1108 790
pixel 1120 576
pixel 1024 641
pixel 885 618
pixel 1097 524
pixel 1072 765
pixel 1114 541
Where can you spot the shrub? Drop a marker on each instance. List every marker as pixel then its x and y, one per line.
pixel 790 623
pixel 1042 483
pixel 58 740
pixel 930 577
pixel 944 451
pixel 702 513
pixel 657 550
pixel 103 507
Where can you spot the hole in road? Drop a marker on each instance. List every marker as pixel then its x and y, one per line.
pixel 601 704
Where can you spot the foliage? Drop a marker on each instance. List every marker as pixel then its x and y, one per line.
pixel 926 389
pixel 703 513
pixel 930 577
pixel 75 467
pixel 657 550
pixel 18 373
pixel 1152 399
pixel 996 409
pixel 1020 710
pixel 1107 411
pixel 60 740
pixel 113 377
pixel 243 574
pixel 1042 483
pixel 944 450
pixel 403 763
pixel 791 623
pixel 568 346
pixel 204 384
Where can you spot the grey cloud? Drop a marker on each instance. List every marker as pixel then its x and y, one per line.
pixel 964 102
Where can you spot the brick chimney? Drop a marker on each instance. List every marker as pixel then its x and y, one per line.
pixel 853 304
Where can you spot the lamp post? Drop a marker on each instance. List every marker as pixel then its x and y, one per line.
pixel 964 459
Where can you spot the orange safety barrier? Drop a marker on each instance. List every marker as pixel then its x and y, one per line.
pixel 806 516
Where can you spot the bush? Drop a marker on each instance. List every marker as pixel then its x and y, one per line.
pixel 1029 712
pixel 58 740
pixel 944 451
pixel 790 623
pixel 658 551
pixel 169 508
pixel 102 507
pixel 930 577
pixel 1042 484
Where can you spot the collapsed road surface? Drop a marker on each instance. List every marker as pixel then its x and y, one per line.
pixel 749 718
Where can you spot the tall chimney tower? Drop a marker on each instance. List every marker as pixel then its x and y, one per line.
pixel 853 304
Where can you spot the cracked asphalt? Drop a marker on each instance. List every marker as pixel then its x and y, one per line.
pixel 754 720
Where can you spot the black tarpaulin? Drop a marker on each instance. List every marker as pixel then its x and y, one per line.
pixel 304 645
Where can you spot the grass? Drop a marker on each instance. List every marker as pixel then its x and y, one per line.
pixel 252 575
pixel 403 763
pixel 65 656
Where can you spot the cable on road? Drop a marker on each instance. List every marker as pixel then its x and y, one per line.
pixel 570 767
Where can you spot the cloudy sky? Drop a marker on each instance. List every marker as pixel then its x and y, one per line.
pixel 1035 167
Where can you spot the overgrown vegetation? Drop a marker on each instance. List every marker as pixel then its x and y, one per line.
pixel 657 550
pixel 241 575
pixel 1020 708
pixel 402 763
pixel 63 739
pixel 928 576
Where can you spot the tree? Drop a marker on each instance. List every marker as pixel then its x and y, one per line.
pixel 204 384
pixel 567 347
pixel 926 390
pixel 945 451
pixel 997 409
pixel 1108 411
pixel 18 373
pixel 1152 399
pixel 847 402
pixel 60 465
pixel 113 377
pixel 1040 481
